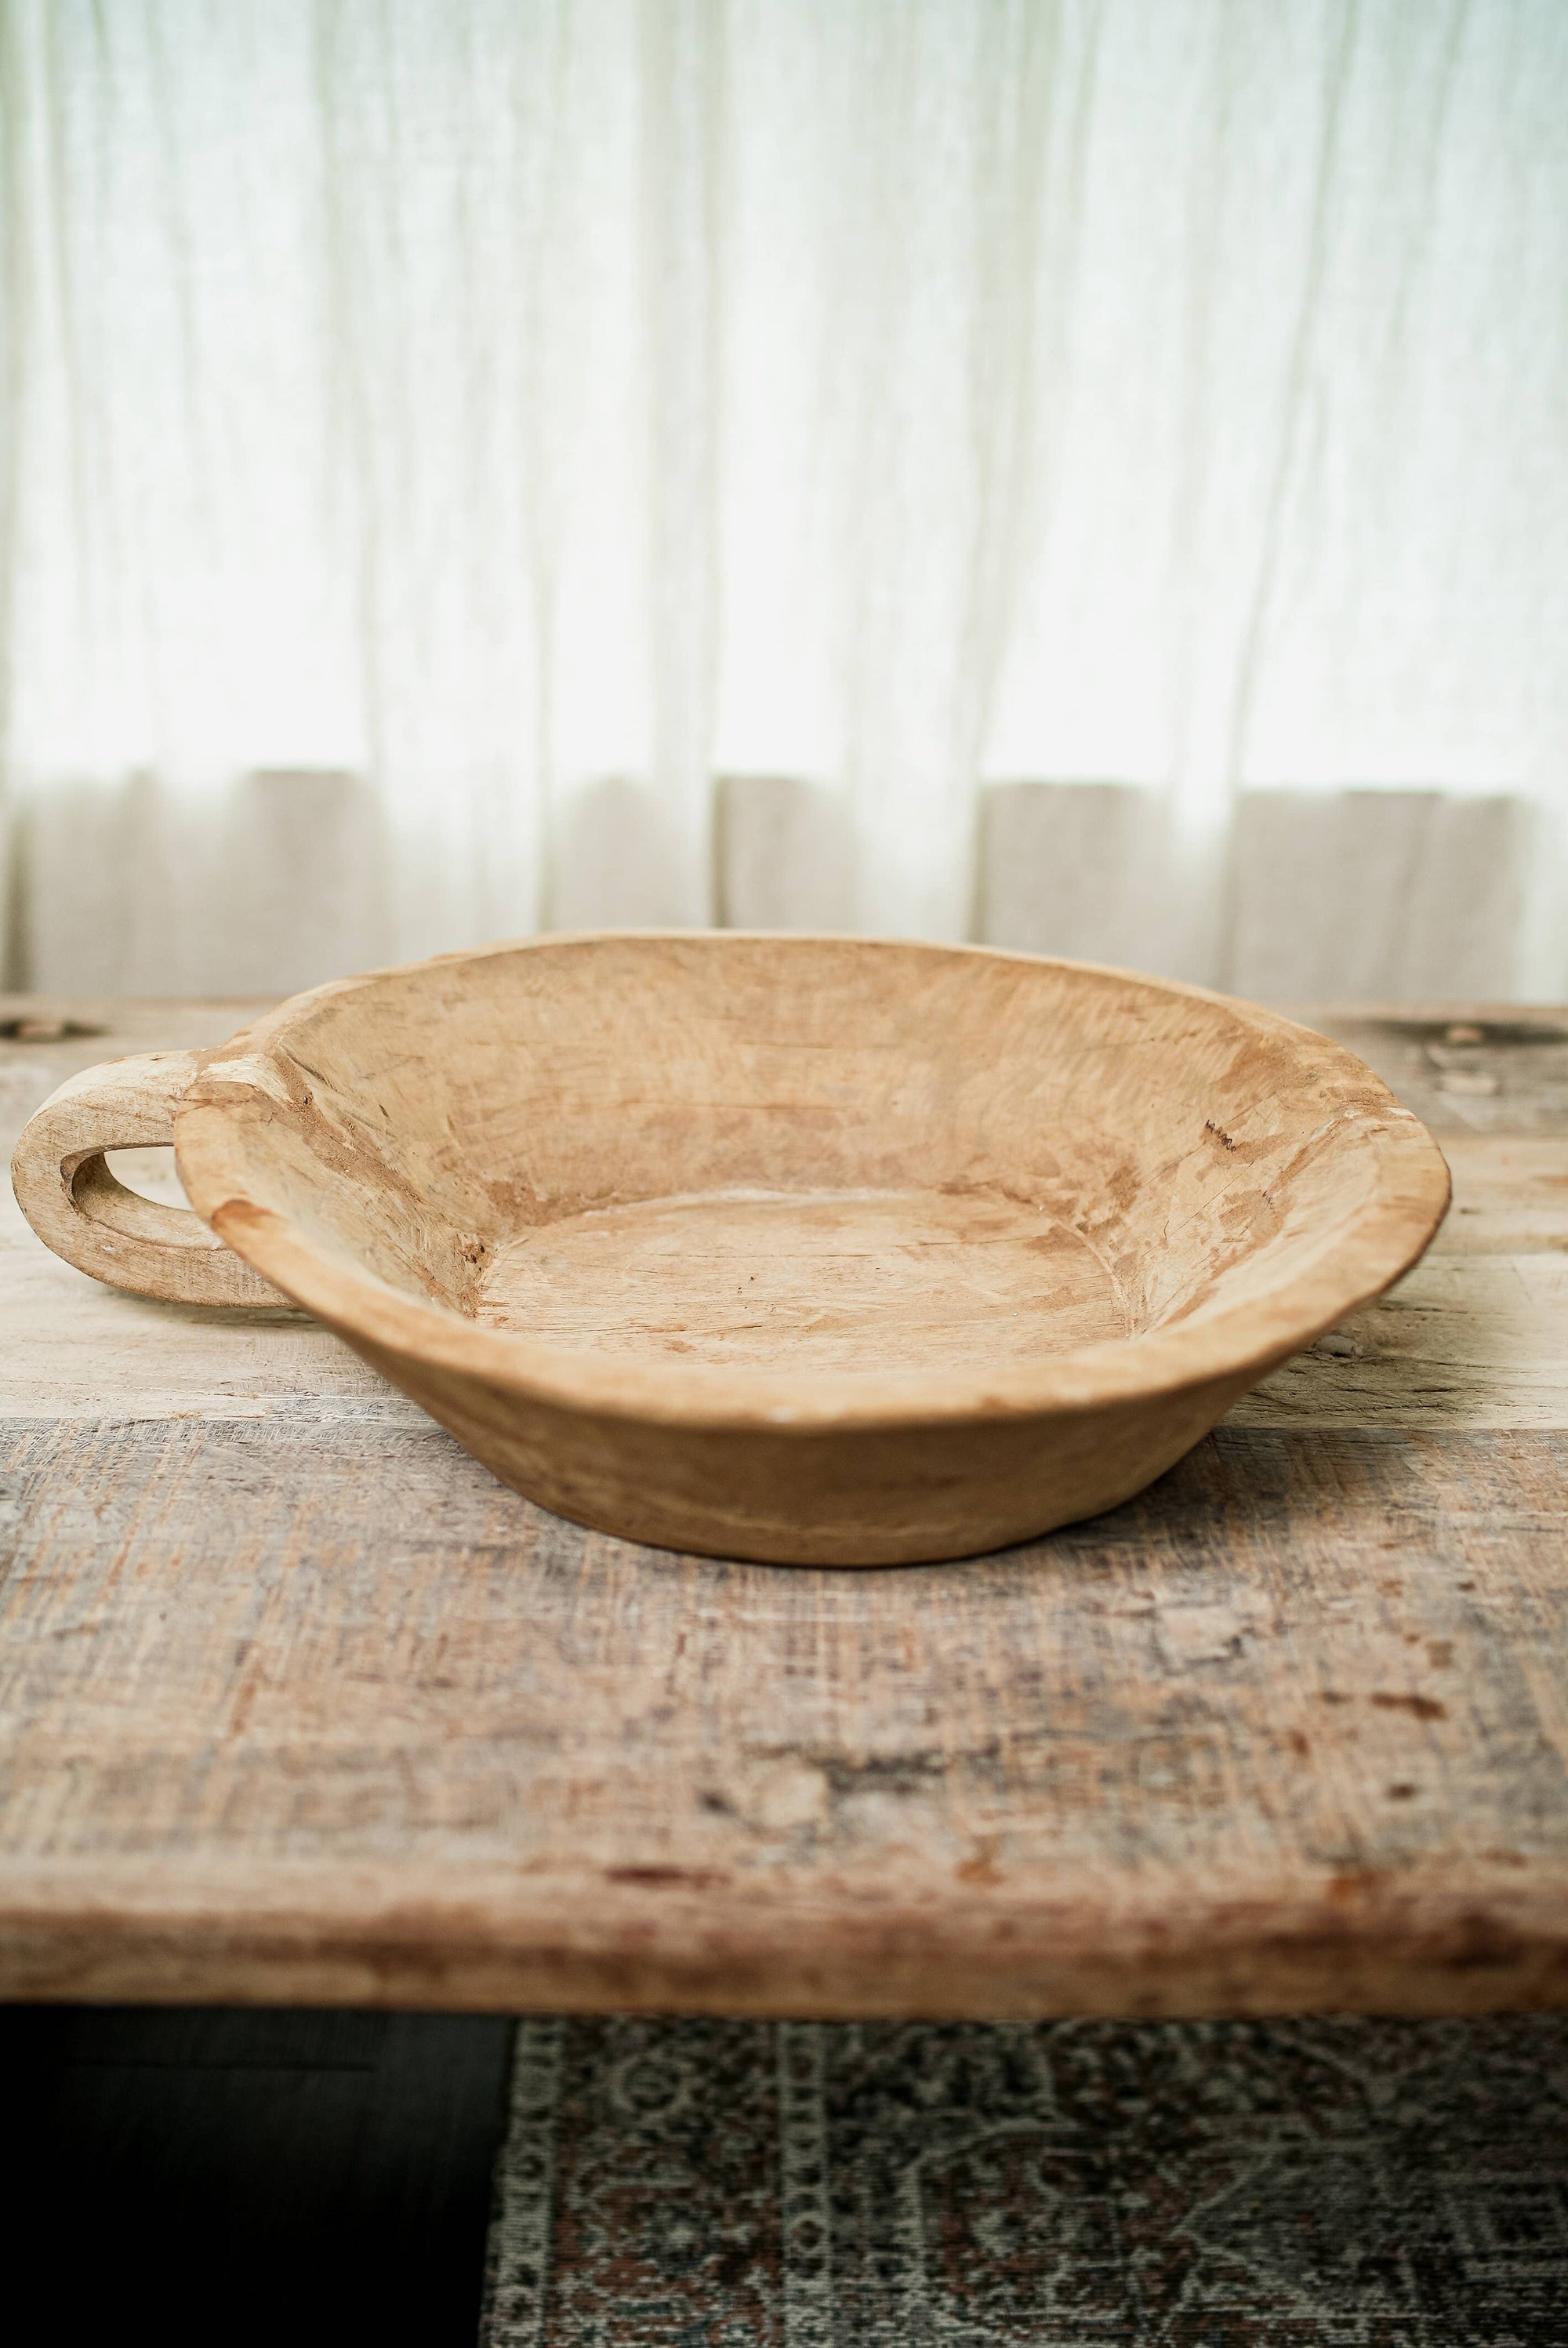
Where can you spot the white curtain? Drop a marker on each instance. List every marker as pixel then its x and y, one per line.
pixel 1021 467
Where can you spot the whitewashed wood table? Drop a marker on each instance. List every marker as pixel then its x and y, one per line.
pixel 297 1706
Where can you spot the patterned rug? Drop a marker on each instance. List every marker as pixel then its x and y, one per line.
pixel 1321 2184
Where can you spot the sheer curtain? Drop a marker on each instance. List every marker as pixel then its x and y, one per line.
pixel 1091 473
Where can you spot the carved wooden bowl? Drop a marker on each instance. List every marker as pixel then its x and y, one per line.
pixel 806 1249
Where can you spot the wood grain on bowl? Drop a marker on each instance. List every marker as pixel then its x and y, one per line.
pixel 811 1250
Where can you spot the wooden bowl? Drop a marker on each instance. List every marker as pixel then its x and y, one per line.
pixel 806 1249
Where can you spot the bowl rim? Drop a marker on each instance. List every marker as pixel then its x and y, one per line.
pixel 1234 1346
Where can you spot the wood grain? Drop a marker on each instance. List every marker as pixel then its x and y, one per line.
pixel 1463 1068
pixel 67 1346
pixel 74 1200
pixel 1511 1194
pixel 300 1706
pixel 811 1250
pixel 1478 1341
pixel 1290 1730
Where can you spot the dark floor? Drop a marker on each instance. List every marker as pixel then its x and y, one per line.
pixel 201 2174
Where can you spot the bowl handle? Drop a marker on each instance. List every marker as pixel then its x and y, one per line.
pixel 77 1208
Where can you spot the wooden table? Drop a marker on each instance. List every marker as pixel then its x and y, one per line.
pixel 300 1706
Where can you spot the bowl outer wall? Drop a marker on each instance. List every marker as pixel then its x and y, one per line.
pixel 661 1452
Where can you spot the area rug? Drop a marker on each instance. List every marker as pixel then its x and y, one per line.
pixel 1321 2184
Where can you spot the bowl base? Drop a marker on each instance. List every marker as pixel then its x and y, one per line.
pixel 809 1281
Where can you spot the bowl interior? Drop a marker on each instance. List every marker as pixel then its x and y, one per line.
pixel 820 1154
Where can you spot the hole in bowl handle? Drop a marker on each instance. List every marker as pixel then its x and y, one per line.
pixel 77 1207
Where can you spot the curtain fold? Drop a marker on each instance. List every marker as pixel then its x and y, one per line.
pixel 470 467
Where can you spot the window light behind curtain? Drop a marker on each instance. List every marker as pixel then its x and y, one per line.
pixel 951 467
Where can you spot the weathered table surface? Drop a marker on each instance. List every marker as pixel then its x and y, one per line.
pixel 298 1705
